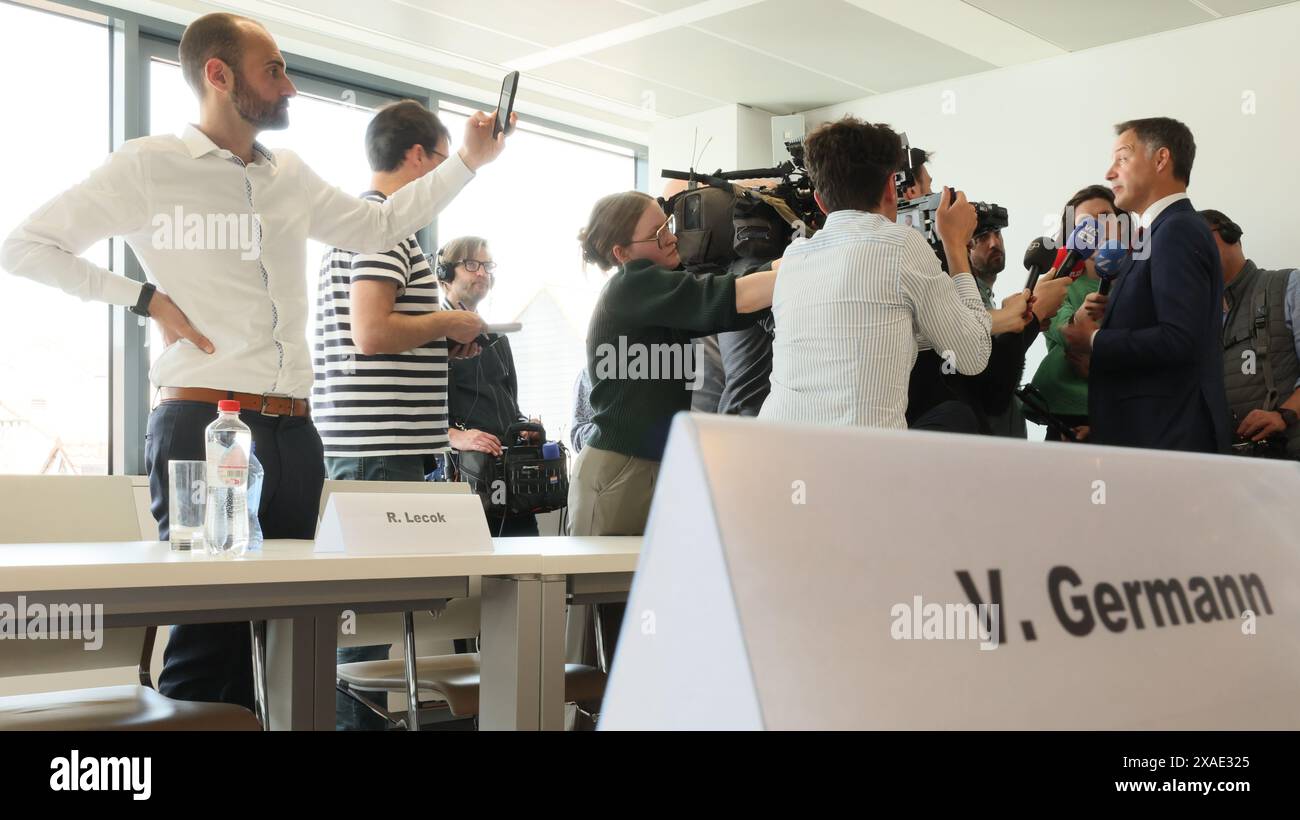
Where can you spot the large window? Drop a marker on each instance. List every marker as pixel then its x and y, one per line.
pixel 529 206
pixel 54 392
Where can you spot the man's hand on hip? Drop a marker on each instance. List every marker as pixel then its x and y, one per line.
pixel 174 324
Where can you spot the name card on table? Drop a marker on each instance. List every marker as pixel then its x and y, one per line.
pixel 403 524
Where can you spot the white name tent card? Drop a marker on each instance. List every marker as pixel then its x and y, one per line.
pixel 840 582
pixel 403 524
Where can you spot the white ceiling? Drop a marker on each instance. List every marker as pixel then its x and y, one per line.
pixel 625 64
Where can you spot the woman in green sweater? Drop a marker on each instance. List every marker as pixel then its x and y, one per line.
pixel 1062 377
pixel 641 355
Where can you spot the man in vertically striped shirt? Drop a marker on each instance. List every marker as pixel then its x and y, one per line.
pixel 852 301
pixel 380 361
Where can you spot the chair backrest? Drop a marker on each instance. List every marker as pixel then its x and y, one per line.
pixel 46 509
pixel 461 617
pixel 143 507
pixel 55 509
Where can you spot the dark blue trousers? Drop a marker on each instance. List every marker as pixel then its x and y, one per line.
pixel 213 662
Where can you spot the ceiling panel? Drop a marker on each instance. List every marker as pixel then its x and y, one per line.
pixel 419 27
pixel 687 58
pixel 859 48
pixel 1076 26
pixel 548 22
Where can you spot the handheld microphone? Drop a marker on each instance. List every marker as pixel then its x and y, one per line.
pixel 1078 248
pixel 1109 259
pixel 1038 260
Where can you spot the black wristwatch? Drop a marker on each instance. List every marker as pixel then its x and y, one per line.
pixel 141 307
pixel 1289 417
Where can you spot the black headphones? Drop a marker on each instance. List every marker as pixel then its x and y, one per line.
pixel 446 273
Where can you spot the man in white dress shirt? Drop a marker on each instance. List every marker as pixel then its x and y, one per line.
pixel 851 301
pixel 220 226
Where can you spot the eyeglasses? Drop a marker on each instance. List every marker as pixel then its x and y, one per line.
pixel 669 228
pixel 472 265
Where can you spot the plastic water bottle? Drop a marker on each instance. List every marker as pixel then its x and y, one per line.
pixel 229 445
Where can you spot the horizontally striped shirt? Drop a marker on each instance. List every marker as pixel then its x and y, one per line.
pixel 849 306
pixel 385 404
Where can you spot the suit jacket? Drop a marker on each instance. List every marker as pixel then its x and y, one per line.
pixel 1157 367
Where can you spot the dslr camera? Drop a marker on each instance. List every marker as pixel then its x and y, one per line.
pixel 920 213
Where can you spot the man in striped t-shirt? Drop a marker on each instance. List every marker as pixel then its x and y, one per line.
pixel 380 399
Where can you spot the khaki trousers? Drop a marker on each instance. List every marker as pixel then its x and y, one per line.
pixel 609 494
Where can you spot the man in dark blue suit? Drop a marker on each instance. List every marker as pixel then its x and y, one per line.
pixel 1156 364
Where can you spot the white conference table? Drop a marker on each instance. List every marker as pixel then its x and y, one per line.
pixel 302 593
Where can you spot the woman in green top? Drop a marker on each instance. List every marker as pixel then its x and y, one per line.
pixel 1062 377
pixel 641 356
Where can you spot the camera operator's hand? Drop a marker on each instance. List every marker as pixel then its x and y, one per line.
pixel 1260 424
pixel 1014 315
pixel 1049 295
pixel 475 440
pixel 480 147
pixel 955 220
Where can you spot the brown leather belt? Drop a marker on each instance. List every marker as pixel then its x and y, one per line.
pixel 269 404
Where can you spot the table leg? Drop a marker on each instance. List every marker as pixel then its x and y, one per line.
pixel 291 672
pixel 554 600
pixel 509 691
pixel 326 654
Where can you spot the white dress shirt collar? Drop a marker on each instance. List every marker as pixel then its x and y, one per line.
pixel 1158 207
pixel 200 144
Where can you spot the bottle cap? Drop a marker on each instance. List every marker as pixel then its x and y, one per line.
pixel 228 406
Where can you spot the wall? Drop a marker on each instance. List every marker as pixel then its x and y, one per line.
pixel 737 136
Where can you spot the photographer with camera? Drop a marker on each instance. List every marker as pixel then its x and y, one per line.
pixel 939 397
pixel 1261 347
pixel 858 292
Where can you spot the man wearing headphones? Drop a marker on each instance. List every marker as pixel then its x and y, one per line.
pixel 482 392
pixel 1261 347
